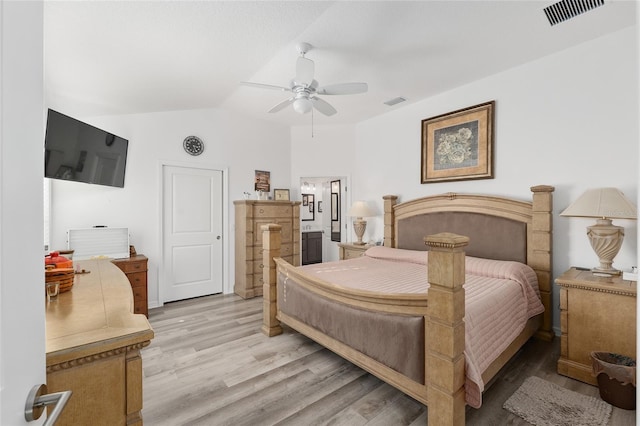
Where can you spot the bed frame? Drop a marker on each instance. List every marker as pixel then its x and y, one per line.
pixel 445 219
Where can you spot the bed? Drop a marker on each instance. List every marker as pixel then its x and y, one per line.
pixel 424 342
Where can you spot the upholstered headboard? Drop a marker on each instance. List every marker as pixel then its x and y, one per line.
pixel 491 237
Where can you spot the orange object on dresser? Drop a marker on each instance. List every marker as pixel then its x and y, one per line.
pixel 57 261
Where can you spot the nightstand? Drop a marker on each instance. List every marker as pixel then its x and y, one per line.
pixel 596 314
pixel 349 251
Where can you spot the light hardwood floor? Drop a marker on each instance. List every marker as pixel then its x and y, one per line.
pixel 209 364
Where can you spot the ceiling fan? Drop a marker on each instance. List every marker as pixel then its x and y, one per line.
pixel 305 89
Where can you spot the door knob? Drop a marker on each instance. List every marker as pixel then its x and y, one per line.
pixel 38 399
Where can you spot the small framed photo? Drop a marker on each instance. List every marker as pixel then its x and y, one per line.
pixel 281 194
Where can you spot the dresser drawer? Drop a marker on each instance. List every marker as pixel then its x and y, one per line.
pixel 139 294
pixel 138 279
pixel 261 211
pixel 258 280
pixel 140 307
pixel 129 266
pixel 258 266
pixel 285 250
pixel 287 229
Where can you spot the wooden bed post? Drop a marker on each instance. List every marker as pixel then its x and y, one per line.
pixel 271 239
pixel 541 253
pixel 389 230
pixel 444 329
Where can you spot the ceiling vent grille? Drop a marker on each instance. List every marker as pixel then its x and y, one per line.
pixel 567 9
pixel 395 101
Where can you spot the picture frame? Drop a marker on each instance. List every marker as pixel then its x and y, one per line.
pixel 458 145
pixel 262 181
pixel 281 194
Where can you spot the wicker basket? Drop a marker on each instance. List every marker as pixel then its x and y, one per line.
pixel 64 276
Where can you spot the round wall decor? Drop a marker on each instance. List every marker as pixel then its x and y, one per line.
pixel 193 145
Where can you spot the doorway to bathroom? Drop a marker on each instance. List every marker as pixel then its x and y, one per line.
pixel 324 211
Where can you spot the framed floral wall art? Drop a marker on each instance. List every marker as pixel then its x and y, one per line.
pixel 458 145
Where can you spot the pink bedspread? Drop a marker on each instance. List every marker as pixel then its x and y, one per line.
pixel 500 297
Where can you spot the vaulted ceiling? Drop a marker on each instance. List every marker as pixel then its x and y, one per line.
pixel 123 57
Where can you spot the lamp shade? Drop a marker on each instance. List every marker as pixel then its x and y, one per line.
pixel 360 209
pixel 603 203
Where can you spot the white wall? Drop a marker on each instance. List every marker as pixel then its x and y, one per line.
pixel 567 120
pixel 327 151
pixel 156 137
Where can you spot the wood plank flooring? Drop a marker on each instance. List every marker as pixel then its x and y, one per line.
pixel 209 364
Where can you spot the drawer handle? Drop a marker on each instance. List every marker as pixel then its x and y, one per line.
pixel 261 266
pixel 261 210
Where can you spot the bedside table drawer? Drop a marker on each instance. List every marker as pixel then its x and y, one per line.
pixel 350 251
pixel 351 254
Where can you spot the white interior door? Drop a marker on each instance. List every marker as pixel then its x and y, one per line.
pixel 22 316
pixel 192 232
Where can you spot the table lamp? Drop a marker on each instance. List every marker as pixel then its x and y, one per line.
pixel 603 204
pixel 360 209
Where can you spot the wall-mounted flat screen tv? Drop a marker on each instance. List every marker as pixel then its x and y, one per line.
pixel 77 151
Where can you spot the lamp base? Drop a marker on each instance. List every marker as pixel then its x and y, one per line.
pixel 359 225
pixel 606 240
pixel 608 272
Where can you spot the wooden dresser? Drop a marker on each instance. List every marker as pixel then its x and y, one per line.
pixel 135 268
pixel 596 314
pixel 93 348
pixel 250 215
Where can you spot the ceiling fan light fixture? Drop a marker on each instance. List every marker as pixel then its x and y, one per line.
pixel 302 105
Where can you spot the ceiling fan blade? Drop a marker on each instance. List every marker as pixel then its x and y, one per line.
pixel 323 106
pixel 282 105
pixel 343 89
pixel 305 69
pixel 265 86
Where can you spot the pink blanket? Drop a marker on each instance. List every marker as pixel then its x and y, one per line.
pixel 500 297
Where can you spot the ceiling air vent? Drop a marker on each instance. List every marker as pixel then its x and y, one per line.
pixel 567 9
pixel 395 101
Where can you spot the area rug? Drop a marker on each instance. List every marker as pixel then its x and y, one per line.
pixel 542 403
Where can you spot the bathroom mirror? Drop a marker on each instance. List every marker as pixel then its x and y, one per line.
pixel 307 209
